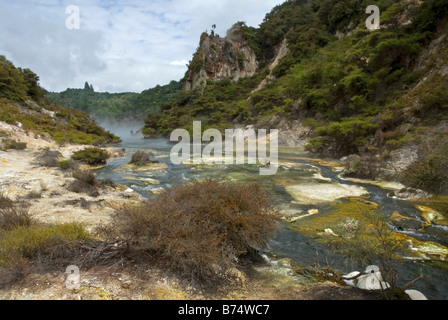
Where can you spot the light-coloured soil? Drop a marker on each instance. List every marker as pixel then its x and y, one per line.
pixel 20 176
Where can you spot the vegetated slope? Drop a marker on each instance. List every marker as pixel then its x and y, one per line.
pixel 117 106
pixel 23 102
pixel 372 93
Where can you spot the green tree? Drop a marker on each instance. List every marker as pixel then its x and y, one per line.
pixel 31 81
pixel 12 85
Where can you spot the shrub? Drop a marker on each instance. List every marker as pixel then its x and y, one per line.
pixel 315 144
pixel 86 176
pixel 198 61
pixel 355 82
pixel 9 144
pixel 343 137
pixel 44 246
pixel 434 103
pixel 365 167
pixel 25 244
pixel 5 202
pixel 202 228
pixel 396 52
pixel 13 215
pixel 318 99
pixel 85 183
pixel 48 158
pixel 12 84
pixel 429 172
pixel 141 158
pixel 68 165
pixel 149 132
pixel 64 164
pixel 30 241
pixel 92 156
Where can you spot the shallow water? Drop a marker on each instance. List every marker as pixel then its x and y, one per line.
pixel 302 249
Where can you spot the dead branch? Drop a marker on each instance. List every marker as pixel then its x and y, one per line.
pixel 410 284
pixel 355 277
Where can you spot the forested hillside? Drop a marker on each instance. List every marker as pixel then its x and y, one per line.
pixel 117 106
pixel 23 103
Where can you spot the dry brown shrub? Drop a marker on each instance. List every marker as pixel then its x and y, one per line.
pixel 13 214
pixel 141 158
pixel 201 229
pixel 14 269
pixel 5 201
pixel 85 182
pixel 48 158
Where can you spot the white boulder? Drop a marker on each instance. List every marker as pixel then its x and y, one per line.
pixel 416 295
pixel 372 279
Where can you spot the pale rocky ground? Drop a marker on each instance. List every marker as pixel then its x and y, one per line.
pixel 20 175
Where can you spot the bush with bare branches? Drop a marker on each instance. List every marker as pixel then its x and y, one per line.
pixel 13 215
pixel 140 158
pixel 48 158
pixel 201 229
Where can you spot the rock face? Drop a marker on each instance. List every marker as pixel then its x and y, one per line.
pixel 281 50
pixel 221 58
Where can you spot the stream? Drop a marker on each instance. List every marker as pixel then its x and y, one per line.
pixel 299 247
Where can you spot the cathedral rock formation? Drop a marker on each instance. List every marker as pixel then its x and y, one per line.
pixel 221 58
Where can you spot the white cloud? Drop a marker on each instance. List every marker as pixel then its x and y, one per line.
pixel 121 45
pixel 179 63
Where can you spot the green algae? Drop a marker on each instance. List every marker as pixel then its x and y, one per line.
pixel 353 207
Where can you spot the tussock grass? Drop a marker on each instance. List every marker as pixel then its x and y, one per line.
pixel 26 244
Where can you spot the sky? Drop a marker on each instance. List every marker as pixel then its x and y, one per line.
pixel 118 45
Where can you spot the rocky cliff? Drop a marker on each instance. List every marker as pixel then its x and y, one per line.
pixel 220 58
